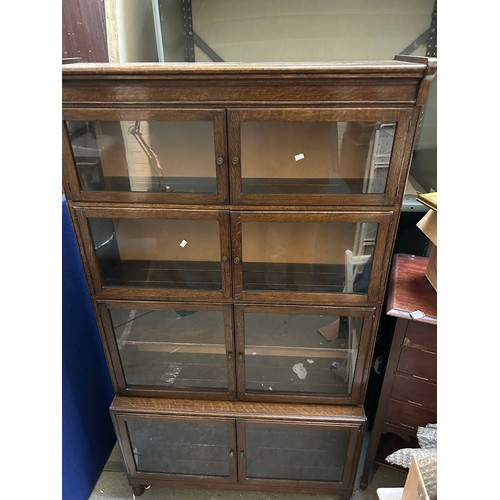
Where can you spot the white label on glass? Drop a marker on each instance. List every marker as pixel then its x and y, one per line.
pixel 299 156
pixel 300 371
pixel 183 243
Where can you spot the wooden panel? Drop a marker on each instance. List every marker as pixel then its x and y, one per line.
pixel 216 92
pixel 409 415
pixel 421 336
pixel 413 390
pixel 410 291
pixel 238 409
pixel 418 363
pixel 84 30
pixel 387 83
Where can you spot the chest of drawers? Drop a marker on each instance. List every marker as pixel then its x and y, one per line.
pixel 408 394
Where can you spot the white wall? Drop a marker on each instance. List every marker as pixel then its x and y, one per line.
pixel 131 31
pixel 314 30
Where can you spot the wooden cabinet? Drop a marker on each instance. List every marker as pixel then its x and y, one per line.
pixel 270 447
pixel 236 224
pixel 408 396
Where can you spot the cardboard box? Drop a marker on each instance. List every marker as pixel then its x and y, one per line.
pixel 428 225
pixel 415 486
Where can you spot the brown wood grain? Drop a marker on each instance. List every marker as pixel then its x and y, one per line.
pixel 84 30
pixel 238 409
pixel 227 94
pixel 409 289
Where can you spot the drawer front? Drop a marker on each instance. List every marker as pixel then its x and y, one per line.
pixel 421 336
pixel 409 415
pixel 418 363
pixel 415 391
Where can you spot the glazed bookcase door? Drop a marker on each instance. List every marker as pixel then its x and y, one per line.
pixel 167 447
pixel 163 156
pixel 171 349
pixel 293 453
pixel 302 353
pixel 313 257
pixel 317 156
pixel 157 253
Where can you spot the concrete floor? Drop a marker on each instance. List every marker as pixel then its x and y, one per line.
pixel 113 485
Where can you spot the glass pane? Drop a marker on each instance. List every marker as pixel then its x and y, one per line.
pixel 315 157
pixel 137 156
pixel 332 257
pixel 295 452
pixel 180 447
pixel 301 353
pixel 158 253
pixel 178 349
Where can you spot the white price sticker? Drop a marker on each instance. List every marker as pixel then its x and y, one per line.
pixel 183 243
pixel 417 314
pixel 299 156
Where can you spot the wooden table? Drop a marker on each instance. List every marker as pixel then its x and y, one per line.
pixel 408 395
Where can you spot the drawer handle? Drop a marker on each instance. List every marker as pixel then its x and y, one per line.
pixel 406 425
pixel 428 352
pixel 414 402
pixel 420 378
pixel 220 160
pixel 236 160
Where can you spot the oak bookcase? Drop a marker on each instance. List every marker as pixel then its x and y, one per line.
pixel 236 224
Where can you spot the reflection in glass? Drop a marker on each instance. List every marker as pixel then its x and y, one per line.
pixel 177 349
pixel 332 257
pixel 180 447
pixel 301 353
pixel 158 253
pixel 315 157
pixel 147 156
pixel 294 452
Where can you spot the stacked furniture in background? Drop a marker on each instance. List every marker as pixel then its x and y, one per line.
pixel 236 225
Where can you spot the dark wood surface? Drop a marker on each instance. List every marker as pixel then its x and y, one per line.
pixel 410 291
pixel 408 395
pixel 84 30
